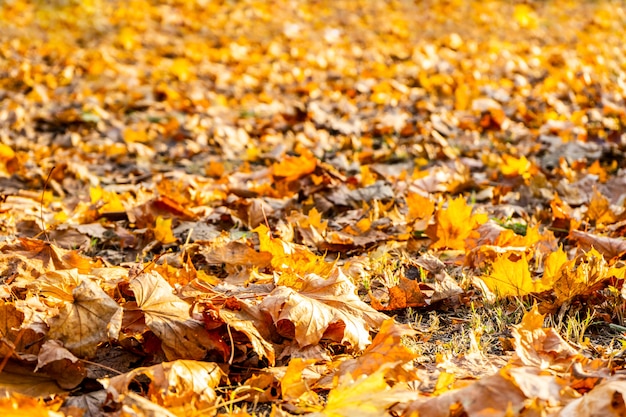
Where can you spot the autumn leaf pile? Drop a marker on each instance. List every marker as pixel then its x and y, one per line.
pixel 330 208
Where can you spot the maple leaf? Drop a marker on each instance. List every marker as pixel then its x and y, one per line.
pixel 512 278
pixel 539 346
pixel 599 210
pixel 505 393
pixel 291 259
pixel 60 364
pixel 291 168
pixel 454 225
pixel 324 308
pixel 90 319
pixel 386 348
pixel 404 295
pixel 606 399
pixel 163 231
pixel 368 395
pixel 168 317
pixel 181 387
pixel 610 247
pixel 293 385
pixel 420 209
pixel 578 276
pixel 249 321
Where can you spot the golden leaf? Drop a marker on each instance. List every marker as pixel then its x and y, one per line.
pixel 163 231
pixel 454 225
pixel 512 278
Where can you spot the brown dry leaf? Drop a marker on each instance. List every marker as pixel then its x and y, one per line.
pixel 15 335
pixel 50 256
pixel 610 247
pixel 327 308
pixel 22 378
pixel 248 320
pixel 606 399
pixel 90 319
pixel 541 347
pixel 183 387
pixel 500 395
pixel 60 364
pixel 168 317
pixel 233 254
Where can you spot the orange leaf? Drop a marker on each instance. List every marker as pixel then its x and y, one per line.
pixel 291 167
pixel 599 210
pixel 420 207
pixel 454 225
pixel 406 294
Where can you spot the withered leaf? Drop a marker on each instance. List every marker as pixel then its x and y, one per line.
pixel 90 319
pixel 168 317
pixel 181 386
pixel 320 304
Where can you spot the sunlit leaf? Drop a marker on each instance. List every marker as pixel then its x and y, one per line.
pixel 90 319
pixel 454 225
pixel 168 317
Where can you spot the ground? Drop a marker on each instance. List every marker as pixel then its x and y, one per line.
pixel 329 208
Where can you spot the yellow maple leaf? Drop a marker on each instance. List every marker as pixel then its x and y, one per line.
pixel 293 260
pixel 112 202
pixel 366 396
pixel 599 210
pixel 163 231
pixel 292 385
pixel 512 166
pixel 576 277
pixel 512 278
pixel 552 265
pixel 454 225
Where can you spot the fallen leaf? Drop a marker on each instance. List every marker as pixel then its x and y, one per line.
pixel 168 317
pixel 163 231
pixel 323 308
pixel 182 387
pixel 90 319
pixel 541 347
pixel 512 278
pixel 606 399
pixel 368 395
pixel 454 225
